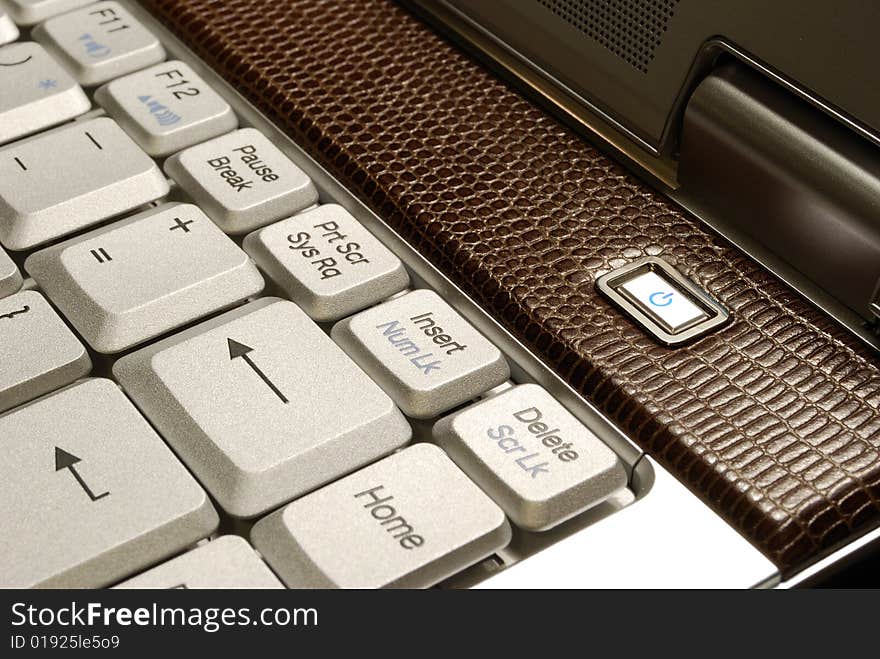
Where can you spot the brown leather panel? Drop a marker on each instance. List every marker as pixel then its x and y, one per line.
pixel 772 420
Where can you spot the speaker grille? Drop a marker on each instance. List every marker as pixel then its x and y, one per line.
pixel 631 29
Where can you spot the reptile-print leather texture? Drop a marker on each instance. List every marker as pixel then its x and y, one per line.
pixel 772 420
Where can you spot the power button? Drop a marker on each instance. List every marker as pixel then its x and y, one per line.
pixel 668 305
pixel 663 300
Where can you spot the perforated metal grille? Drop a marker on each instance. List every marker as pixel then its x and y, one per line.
pixel 631 29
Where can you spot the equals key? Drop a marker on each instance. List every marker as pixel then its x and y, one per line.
pixel 180 276
pixel 101 255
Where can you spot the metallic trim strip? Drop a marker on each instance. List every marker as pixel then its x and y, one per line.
pixel 669 539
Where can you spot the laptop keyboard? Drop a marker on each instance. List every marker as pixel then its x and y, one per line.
pixel 192 337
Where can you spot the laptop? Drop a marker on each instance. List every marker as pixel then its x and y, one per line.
pixel 440 293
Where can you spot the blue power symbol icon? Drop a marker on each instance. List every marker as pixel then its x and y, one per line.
pixel 660 299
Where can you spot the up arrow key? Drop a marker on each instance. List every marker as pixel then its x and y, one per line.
pixel 237 349
pixel 65 460
pixel 240 350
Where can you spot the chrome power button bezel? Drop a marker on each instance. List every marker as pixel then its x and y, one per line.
pixel 610 285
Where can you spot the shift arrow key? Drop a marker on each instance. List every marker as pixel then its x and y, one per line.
pixel 126 504
pixel 65 460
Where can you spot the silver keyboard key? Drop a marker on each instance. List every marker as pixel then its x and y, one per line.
pixel 242 180
pixel 28 12
pixel 100 42
pixel 38 353
pixel 227 562
pixel 90 492
pixel 532 456
pixel 166 108
pixel 8 29
pixel 10 277
pixel 427 357
pixel 408 521
pixel 131 281
pixel 71 178
pixel 261 405
pixel 327 263
pixel 35 91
